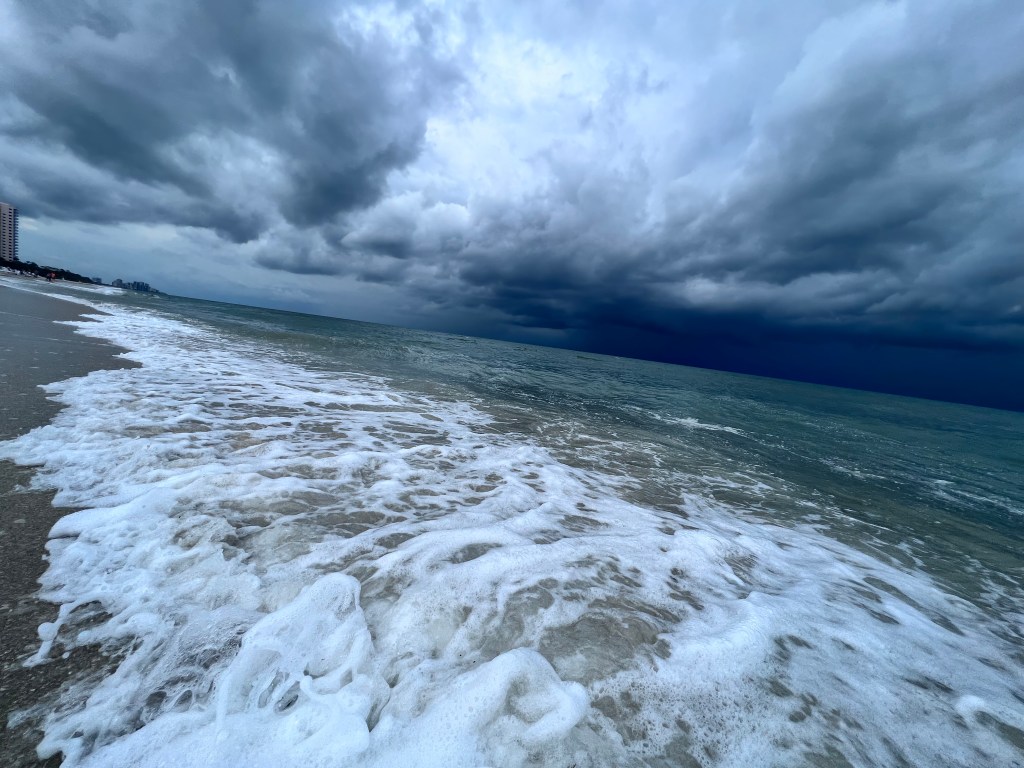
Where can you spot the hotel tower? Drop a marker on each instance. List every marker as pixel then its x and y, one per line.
pixel 8 232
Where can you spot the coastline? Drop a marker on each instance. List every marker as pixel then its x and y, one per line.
pixel 34 350
pixel 285 496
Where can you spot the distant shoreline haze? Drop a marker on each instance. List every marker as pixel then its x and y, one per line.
pixel 60 273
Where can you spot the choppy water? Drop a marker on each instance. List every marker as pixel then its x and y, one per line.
pixel 318 542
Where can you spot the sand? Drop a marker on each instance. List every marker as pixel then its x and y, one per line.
pixel 34 350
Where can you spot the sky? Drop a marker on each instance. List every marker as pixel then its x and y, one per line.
pixel 830 191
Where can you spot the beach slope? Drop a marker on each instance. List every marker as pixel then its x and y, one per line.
pixel 35 349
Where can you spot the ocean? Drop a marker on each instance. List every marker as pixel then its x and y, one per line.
pixel 309 541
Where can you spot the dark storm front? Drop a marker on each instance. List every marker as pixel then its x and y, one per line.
pixel 339 541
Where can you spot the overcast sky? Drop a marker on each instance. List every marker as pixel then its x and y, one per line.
pixel 824 190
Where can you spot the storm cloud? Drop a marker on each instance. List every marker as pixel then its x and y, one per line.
pixel 234 116
pixel 809 189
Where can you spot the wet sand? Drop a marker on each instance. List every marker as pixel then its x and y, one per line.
pixel 34 350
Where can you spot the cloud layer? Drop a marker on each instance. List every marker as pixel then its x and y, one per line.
pixel 654 174
pixel 236 116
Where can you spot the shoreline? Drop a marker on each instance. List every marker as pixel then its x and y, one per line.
pixel 297 505
pixel 34 350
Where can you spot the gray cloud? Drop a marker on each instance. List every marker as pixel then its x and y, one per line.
pixel 227 115
pixel 674 172
pixel 871 193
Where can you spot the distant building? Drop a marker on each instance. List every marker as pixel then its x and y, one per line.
pixel 8 232
pixel 134 285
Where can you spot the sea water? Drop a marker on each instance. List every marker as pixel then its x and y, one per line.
pixel 307 541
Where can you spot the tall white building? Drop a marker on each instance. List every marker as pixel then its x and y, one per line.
pixel 8 232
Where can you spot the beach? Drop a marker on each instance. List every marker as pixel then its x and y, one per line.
pixel 296 540
pixel 34 350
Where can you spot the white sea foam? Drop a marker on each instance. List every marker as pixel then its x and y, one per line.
pixel 688 422
pixel 297 567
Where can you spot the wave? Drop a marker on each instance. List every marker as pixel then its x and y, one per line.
pixel 292 565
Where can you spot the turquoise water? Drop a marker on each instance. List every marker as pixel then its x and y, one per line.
pixel 520 556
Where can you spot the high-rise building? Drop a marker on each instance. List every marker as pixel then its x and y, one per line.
pixel 8 232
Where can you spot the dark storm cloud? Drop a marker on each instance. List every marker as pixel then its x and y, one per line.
pixel 696 182
pixel 877 197
pixel 219 115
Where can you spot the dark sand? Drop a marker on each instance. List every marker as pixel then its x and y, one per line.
pixel 34 350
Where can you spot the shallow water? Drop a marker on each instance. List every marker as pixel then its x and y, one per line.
pixel 313 541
